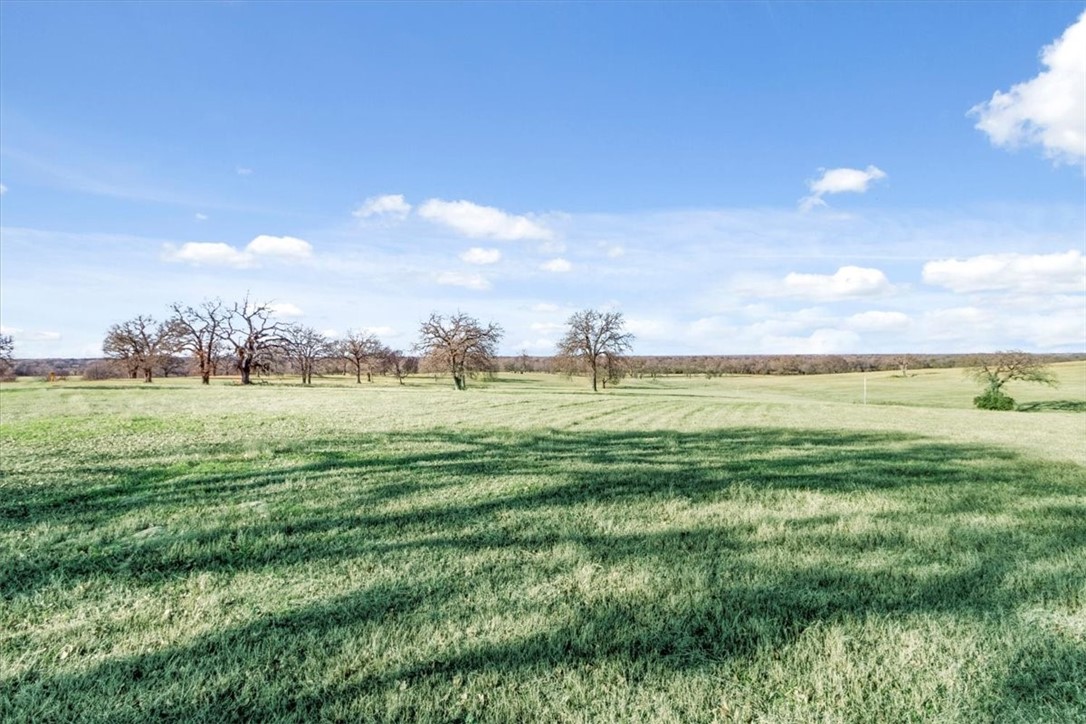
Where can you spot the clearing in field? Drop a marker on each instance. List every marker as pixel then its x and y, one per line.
pixel 737 549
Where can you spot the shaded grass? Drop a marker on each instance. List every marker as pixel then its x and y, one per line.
pixel 265 559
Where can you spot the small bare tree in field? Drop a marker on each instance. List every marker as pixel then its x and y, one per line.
pixel 399 364
pixel 995 370
pixel 200 331
pixel 362 351
pixel 7 358
pixel 254 336
pixel 139 344
pixel 461 344
pixel 306 347
pixel 598 341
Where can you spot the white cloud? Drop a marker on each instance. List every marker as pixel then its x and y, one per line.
pixel 1048 110
pixel 207 253
pixel 876 321
pixel 459 279
pixel 478 222
pixel 545 307
pixel 218 254
pixel 477 255
pixel 1065 272
pixel 820 341
pixel 840 180
pixel 201 217
pixel 381 331
pixel 845 283
pixel 243 171
pixel 286 309
pixel 3 189
pixel 330 333
pixel 287 247
pixel 389 205
pixel 24 335
pixel 548 327
pixel 556 265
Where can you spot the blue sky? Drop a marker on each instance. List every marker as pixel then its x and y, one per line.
pixel 735 178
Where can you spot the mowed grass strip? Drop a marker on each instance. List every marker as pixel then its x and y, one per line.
pixel 534 552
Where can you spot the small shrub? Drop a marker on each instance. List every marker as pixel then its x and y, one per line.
pixel 994 400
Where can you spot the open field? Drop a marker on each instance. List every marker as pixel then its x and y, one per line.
pixel 683 549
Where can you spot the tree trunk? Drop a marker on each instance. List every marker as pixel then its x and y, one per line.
pixel 244 368
pixel 205 377
pixel 146 374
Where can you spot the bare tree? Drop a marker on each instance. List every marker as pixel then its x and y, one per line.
pixel 596 340
pixel 200 331
pixel 254 335
pixel 362 351
pixel 306 346
pixel 139 344
pixel 997 369
pixel 7 358
pixel 399 364
pixel 460 343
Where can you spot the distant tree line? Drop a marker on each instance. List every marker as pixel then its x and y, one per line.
pixel 243 337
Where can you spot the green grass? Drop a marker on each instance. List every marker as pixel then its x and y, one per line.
pixel 736 549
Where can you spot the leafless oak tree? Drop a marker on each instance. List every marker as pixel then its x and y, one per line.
pixel 460 343
pixel 139 344
pixel 306 346
pixel 7 359
pixel 596 340
pixel 362 351
pixel 254 335
pixel 200 332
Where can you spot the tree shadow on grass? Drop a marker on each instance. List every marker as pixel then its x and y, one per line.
pixel 1054 406
pixel 724 589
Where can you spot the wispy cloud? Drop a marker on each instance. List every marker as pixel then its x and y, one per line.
pixel 558 266
pixel 461 279
pixel 392 206
pixel 1049 110
pixel 477 255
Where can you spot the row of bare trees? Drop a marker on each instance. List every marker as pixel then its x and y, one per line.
pixel 248 335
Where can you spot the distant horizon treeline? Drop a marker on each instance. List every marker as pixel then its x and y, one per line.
pixel 636 366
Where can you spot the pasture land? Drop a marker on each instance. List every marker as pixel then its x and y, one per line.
pixel 681 549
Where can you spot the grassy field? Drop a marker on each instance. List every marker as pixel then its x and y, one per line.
pixel 682 549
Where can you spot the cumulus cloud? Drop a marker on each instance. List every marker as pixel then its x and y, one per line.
pixel 845 283
pixel 482 222
pixel 389 205
pixel 200 253
pixel 840 180
pixel 460 279
pixel 477 255
pixel 207 254
pixel 201 217
pixel 3 189
pixel 287 247
pixel 286 309
pixel 876 321
pixel 558 266
pixel 1048 110
pixel 243 171
pixel 1064 272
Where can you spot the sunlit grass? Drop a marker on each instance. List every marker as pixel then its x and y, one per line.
pixel 737 549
